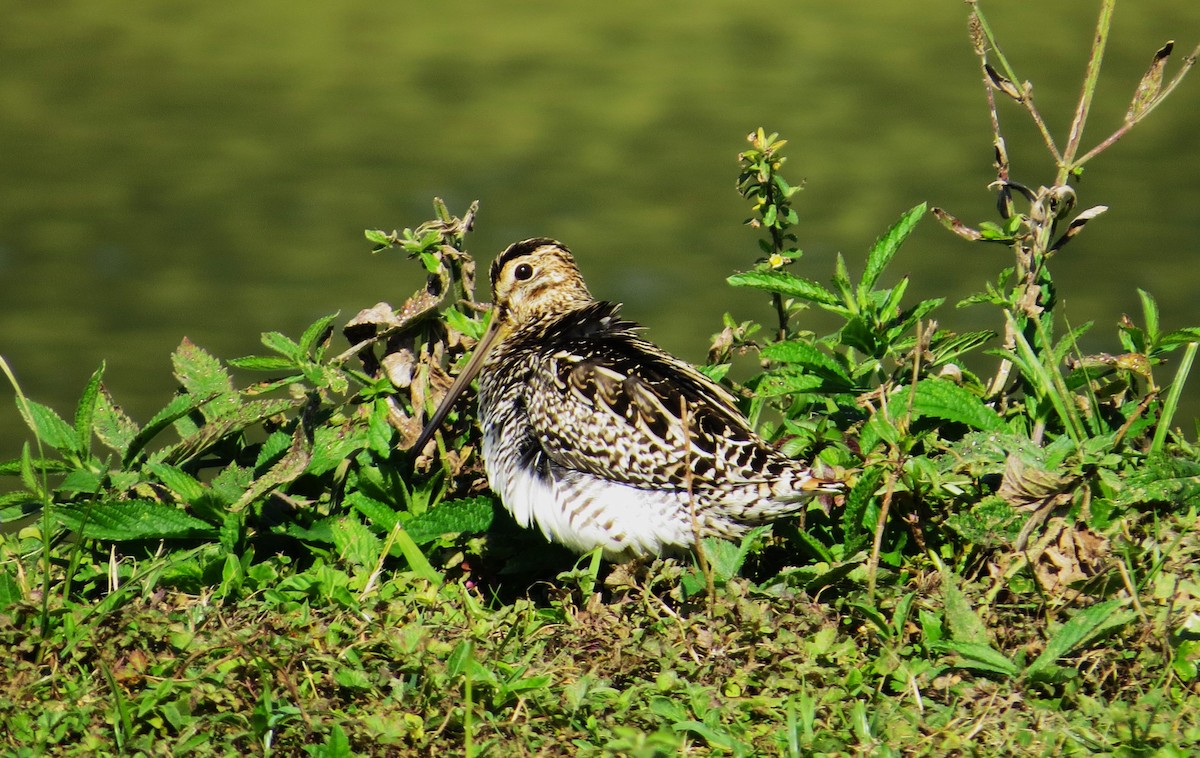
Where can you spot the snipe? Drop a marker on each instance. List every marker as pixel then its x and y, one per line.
pixel 601 438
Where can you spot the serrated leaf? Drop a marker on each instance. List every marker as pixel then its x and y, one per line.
pixel 787 381
pixel 112 426
pixel 245 415
pixel 856 506
pixel 203 375
pixel 1162 479
pixel 85 412
pixel 946 400
pixel 285 346
pixel 180 406
pixel 48 425
pixel 961 619
pixel 354 542
pixel 807 355
pixel 285 471
pixel 471 515
pixel 318 332
pixel 885 248
pixel 1085 626
pixel 263 363
pixel 131 520
pixel 378 514
pixel 183 484
pixel 785 284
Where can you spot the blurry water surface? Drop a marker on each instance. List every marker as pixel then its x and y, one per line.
pixel 206 170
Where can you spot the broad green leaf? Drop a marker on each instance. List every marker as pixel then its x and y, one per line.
pixel 807 355
pixel 333 445
pixel 85 412
pixel 317 333
pixel 120 520
pixel 787 381
pixel 285 346
pixel 1180 337
pixel 1162 479
pixel 1085 626
pixel 112 426
pixel 378 514
pixel 941 398
pixel 203 375
pixel 378 237
pixel 48 426
pixel 355 543
pixel 856 506
pixel 785 284
pixel 10 591
pixel 285 471
pixel 471 515
pixel 980 657
pixel 961 619
pixel 885 248
pixel 183 484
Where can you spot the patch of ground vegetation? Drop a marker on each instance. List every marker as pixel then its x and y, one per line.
pixel 271 568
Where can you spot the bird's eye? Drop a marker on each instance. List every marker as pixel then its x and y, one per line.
pixel 524 271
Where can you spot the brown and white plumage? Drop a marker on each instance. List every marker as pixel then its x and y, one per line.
pixel 601 438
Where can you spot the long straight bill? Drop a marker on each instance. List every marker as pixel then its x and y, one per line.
pixel 460 384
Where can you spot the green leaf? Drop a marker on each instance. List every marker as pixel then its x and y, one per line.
pixel 318 332
pixel 1162 479
pixel 285 346
pixel 203 375
pixel 378 514
pixel 787 381
pixel 378 237
pixel 856 506
pixel 354 542
pixel 963 622
pixel 1087 625
pixel 48 426
pixel 131 520
pixel 85 412
pixel 807 355
pixel 980 657
pixel 183 484
pixel 885 249
pixel 1149 315
pixel 180 406
pixel 263 363
pixel 784 283
pixel 112 426
pixel 941 398
pixel 471 515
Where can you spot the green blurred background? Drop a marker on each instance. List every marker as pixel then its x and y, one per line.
pixel 207 169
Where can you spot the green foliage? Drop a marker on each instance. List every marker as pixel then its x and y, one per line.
pixel 268 565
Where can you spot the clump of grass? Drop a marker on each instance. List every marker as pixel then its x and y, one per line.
pixel 267 566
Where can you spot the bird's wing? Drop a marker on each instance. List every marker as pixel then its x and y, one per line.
pixel 616 406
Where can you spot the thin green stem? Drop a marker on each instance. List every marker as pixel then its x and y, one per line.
pixel 1171 404
pixel 1067 163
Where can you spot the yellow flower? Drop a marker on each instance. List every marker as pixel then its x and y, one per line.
pixel 776 260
